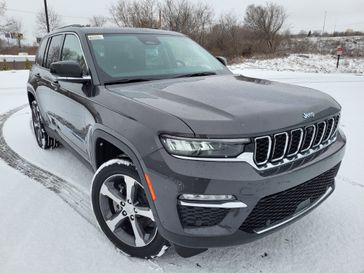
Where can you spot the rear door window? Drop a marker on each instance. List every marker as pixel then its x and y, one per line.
pixel 72 51
pixel 54 50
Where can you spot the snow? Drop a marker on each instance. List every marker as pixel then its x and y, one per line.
pixel 14 134
pixel 305 63
pixel 112 162
pixel 40 231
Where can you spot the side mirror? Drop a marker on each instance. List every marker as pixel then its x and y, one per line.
pixel 70 71
pixel 222 60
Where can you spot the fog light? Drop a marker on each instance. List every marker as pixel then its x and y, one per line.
pixel 209 197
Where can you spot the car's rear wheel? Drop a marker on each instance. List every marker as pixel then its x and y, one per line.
pixel 123 212
pixel 44 141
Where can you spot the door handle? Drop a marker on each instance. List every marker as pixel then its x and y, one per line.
pixel 37 76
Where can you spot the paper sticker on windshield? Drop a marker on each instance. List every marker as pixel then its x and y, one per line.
pixel 95 37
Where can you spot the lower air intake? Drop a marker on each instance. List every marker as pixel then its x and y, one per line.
pixel 278 207
pixel 201 217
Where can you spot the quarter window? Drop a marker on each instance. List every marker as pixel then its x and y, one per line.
pixel 40 53
pixel 72 51
pixel 54 50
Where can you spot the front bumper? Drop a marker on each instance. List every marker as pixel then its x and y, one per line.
pixel 172 177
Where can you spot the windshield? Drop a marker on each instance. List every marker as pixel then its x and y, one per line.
pixel 123 57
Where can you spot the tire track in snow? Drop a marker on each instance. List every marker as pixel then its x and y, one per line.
pixel 75 198
pixel 72 196
pixel 350 181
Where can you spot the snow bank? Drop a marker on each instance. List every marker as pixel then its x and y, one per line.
pixel 305 63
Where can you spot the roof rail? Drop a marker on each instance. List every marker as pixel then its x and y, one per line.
pixel 73 25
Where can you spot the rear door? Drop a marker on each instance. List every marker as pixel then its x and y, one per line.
pixel 46 81
pixel 35 78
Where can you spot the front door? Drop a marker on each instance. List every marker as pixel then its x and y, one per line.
pixel 67 102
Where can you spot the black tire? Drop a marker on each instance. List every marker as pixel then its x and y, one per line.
pixel 111 180
pixel 44 141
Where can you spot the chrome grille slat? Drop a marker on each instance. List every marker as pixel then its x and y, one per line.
pixel 295 151
pixel 257 158
pixel 294 143
pixel 328 131
pixel 276 154
pixel 336 123
pixel 319 133
pixel 307 144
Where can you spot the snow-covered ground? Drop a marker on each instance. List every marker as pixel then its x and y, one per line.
pixel 305 63
pixel 41 233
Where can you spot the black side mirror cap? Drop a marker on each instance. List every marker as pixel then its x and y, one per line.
pixel 69 69
pixel 222 60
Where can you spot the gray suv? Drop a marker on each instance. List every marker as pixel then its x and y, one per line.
pixel 184 152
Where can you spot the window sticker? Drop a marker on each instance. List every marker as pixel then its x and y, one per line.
pixel 95 37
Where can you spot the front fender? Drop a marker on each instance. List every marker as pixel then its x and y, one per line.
pixel 123 144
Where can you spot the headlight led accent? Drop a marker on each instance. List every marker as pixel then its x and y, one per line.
pixel 204 148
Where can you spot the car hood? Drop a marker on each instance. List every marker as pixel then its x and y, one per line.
pixel 228 105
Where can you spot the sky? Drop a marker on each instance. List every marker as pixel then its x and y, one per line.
pixel 302 15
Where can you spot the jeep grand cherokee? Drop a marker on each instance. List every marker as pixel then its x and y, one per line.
pixel 184 152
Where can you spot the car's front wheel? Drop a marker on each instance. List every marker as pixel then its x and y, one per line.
pixel 123 212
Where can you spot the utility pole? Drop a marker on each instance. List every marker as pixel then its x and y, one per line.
pixel 46 15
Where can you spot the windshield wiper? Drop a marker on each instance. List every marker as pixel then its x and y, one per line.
pixel 197 74
pixel 128 81
pixel 132 80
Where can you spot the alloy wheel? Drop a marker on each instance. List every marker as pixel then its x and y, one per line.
pixel 126 212
pixel 38 125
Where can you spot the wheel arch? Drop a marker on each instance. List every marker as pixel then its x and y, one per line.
pixel 123 145
pixel 130 152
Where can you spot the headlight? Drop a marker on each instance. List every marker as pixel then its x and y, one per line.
pixel 211 148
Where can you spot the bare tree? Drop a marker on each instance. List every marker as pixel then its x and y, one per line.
pixel 266 20
pixel 3 21
pixel 177 15
pixel 2 8
pixel 98 21
pixel 10 24
pixel 15 26
pixel 190 19
pixel 55 21
pixel 203 14
pixel 229 32
pixel 144 13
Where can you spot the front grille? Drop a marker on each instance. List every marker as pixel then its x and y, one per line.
pixel 271 149
pixel 275 208
pixel 201 217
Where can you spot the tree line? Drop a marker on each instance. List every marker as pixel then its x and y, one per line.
pixel 258 31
